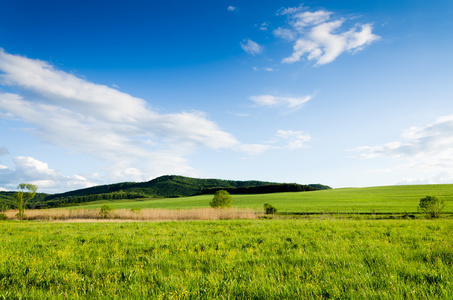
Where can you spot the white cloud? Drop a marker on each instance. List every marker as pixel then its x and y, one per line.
pixel 284 33
pixel 84 117
pixel 267 69
pixel 296 139
pixel 31 170
pixel 318 37
pixel 264 26
pixel 251 47
pixel 289 10
pixel 286 102
pixel 231 8
pixel 308 18
pixel 425 149
pixel 284 139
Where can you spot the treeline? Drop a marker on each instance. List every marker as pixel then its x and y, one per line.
pixel 263 189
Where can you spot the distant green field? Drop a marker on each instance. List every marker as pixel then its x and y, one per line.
pixel 388 199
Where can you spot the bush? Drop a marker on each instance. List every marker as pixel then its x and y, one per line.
pixel 431 205
pixel 3 217
pixel 106 210
pixel 221 199
pixel 136 210
pixel 269 209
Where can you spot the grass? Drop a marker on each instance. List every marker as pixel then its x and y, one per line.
pixel 235 259
pixel 324 257
pixel 388 199
pixel 135 214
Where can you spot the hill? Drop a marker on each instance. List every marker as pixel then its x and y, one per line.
pixel 169 186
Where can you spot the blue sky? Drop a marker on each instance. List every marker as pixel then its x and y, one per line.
pixel 344 93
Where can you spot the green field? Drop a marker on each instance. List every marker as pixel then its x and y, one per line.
pixel 388 199
pixel 256 259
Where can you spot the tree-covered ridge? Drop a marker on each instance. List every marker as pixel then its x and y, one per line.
pixel 161 187
pixel 164 186
pixel 264 189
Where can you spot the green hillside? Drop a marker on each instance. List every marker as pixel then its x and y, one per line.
pixel 386 199
pixel 170 186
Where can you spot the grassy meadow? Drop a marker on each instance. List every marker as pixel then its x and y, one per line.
pixel 222 257
pixel 235 259
pixel 388 199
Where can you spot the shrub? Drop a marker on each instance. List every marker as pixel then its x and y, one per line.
pixel 431 205
pixel 106 210
pixel 269 209
pixel 3 217
pixel 221 199
pixel 136 210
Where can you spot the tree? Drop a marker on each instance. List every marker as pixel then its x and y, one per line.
pixel 431 205
pixel 221 199
pixel 23 197
pixel 269 209
pixel 106 210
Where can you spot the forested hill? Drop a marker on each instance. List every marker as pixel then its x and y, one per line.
pixel 164 187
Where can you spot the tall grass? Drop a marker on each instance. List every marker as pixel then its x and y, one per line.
pixel 231 259
pixel 138 214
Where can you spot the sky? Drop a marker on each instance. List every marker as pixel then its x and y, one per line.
pixel 343 93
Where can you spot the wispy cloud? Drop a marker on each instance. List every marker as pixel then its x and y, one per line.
pixel 428 148
pixel 231 8
pixel 264 26
pixel 251 47
pixel 283 139
pixel 295 139
pixel 292 103
pixel 319 36
pixel 100 121
pixel 267 69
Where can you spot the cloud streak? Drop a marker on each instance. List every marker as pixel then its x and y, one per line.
pixel 427 148
pixel 251 47
pixel 283 139
pixel 319 37
pixel 292 103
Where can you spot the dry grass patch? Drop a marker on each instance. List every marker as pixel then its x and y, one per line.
pixel 137 215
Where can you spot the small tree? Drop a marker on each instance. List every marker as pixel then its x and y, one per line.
pixel 431 205
pixel 106 210
pixel 221 199
pixel 269 209
pixel 27 192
